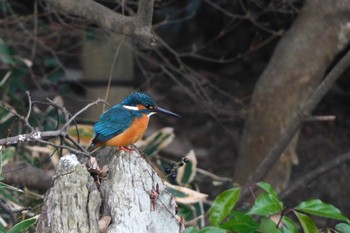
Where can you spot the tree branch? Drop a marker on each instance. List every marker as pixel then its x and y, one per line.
pixel 294 125
pixel 37 136
pixel 105 17
pixel 315 174
pixel 27 175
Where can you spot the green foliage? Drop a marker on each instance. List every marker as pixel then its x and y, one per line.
pixel 186 174
pixel 343 227
pixel 23 225
pixel 267 226
pixel 318 208
pixel 267 214
pixel 223 205
pixel 157 141
pixel 240 222
pixel 272 215
pixel 212 230
pixel 306 222
pixel 288 225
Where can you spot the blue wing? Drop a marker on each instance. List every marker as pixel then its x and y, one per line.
pixel 113 122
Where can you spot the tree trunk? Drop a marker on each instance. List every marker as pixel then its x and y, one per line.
pixel 73 204
pixel 296 68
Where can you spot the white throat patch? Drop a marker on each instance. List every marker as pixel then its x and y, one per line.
pixel 151 113
pixel 133 108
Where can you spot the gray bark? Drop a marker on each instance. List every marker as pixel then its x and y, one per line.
pixel 127 199
pixel 73 203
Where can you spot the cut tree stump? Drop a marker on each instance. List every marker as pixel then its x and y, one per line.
pixel 132 197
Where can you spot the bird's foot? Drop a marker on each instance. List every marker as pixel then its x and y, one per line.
pixel 126 149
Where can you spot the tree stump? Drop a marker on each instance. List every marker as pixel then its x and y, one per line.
pixel 73 202
pixel 133 196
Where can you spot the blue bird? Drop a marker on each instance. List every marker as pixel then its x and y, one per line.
pixel 125 123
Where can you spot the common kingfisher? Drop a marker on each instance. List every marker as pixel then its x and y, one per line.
pixel 125 123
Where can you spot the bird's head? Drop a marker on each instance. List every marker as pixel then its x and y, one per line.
pixel 142 102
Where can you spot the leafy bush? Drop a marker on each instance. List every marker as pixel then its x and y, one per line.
pixel 269 215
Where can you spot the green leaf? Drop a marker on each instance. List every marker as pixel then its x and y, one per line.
pixel 24 225
pixel 319 208
pixel 288 226
pixel 5 54
pixel 268 226
pixel 306 222
pixel 9 187
pixel 222 205
pixel 2 229
pixel 158 141
pixel 212 230
pixel 186 173
pixel 268 188
pixel 266 204
pixel 343 228
pixel 189 230
pixel 240 222
pixel 185 211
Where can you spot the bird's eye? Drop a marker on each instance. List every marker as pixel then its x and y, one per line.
pixel 150 107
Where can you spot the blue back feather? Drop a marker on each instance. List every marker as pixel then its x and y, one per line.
pixel 117 119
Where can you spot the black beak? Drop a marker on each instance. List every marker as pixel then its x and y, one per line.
pixel 162 110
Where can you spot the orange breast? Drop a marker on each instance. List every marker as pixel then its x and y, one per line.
pixel 132 134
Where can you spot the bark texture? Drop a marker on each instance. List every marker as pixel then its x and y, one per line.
pixel 128 196
pixel 72 204
pixel 138 25
pixel 296 68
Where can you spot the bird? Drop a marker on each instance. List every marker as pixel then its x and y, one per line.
pixel 125 123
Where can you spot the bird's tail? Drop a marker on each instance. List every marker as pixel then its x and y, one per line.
pixel 91 147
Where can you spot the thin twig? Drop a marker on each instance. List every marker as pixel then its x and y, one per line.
pixel 340 160
pixel 112 70
pixel 42 137
pixel 83 110
pixel 72 140
pixel 26 119
pixel 78 152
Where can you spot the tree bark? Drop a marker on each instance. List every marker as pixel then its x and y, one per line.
pixel 132 196
pixel 127 197
pixel 138 25
pixel 72 203
pixel 296 68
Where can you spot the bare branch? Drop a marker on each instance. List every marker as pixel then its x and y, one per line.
pixel 103 16
pixel 26 119
pixel 83 110
pixel 27 175
pixel 37 136
pixel 315 174
pixel 145 13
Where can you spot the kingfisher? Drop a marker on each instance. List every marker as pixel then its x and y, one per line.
pixel 125 123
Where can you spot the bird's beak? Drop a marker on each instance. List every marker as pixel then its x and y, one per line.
pixel 162 110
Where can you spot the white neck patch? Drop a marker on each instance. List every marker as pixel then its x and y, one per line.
pixel 151 113
pixel 133 108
